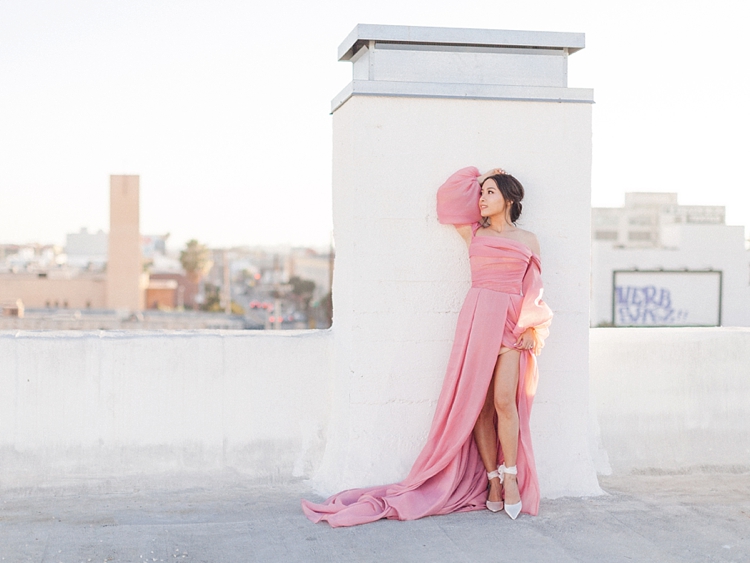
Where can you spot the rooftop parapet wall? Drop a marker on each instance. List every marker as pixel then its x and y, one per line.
pixel 100 405
pixel 463 63
pixel 108 404
pixel 672 400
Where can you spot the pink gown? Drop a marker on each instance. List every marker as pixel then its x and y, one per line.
pixel 504 300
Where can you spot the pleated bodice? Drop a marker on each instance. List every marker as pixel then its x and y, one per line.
pixel 498 263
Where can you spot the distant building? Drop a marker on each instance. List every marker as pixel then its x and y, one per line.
pixel 35 277
pixel 183 291
pixel 126 281
pixel 161 294
pixel 86 250
pixel 31 258
pixel 309 265
pixel 640 223
pixel 154 245
pixel 55 289
pixel 658 263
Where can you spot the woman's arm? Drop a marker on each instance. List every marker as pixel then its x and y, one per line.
pixel 465 232
pixel 458 198
pixel 528 339
pixel 535 316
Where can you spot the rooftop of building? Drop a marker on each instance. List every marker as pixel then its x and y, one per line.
pixel 656 201
pixel 664 518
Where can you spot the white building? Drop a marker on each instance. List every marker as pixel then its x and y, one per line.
pixel 84 248
pixel 657 263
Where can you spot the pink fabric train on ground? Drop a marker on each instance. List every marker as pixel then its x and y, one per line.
pixel 504 300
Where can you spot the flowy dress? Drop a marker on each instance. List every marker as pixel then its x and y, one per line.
pixel 504 300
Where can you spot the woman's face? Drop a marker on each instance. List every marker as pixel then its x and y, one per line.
pixel 491 200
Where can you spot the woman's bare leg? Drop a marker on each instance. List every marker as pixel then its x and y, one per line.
pixel 506 384
pixel 486 438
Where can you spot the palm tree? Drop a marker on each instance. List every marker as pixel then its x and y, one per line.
pixel 196 260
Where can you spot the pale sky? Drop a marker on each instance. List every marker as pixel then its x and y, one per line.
pixel 222 106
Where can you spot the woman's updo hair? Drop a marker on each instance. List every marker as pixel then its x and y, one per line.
pixel 512 190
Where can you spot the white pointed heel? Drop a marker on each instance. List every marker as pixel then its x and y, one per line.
pixel 512 510
pixel 494 506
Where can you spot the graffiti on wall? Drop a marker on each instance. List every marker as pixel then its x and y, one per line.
pixel 666 297
pixel 647 305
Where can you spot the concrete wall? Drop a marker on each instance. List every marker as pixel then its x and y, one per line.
pixel 114 404
pixel 106 405
pixel 671 399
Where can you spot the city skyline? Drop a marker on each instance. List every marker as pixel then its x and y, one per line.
pixel 223 109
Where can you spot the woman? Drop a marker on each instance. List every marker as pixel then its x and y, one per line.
pixel 491 374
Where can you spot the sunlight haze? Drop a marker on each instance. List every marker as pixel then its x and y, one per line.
pixel 222 107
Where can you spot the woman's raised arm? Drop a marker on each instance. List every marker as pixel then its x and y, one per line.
pixel 458 198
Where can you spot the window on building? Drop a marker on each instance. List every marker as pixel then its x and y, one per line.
pixel 639 235
pixel 602 219
pixel 641 220
pixel 605 235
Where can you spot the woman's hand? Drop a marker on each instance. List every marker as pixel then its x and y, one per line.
pixel 493 172
pixel 528 341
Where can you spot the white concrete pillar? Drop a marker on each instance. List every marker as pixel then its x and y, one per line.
pixel 423 103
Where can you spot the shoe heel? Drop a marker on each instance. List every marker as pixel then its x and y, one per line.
pixel 494 506
pixel 512 510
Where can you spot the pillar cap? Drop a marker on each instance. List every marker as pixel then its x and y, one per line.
pixel 406 34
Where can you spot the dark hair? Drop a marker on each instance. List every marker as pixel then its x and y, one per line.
pixel 512 190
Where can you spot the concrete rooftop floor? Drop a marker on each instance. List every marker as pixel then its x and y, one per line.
pixel 667 518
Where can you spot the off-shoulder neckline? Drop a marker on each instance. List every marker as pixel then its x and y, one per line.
pixel 519 243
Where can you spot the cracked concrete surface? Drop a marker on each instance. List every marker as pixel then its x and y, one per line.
pixel 665 518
